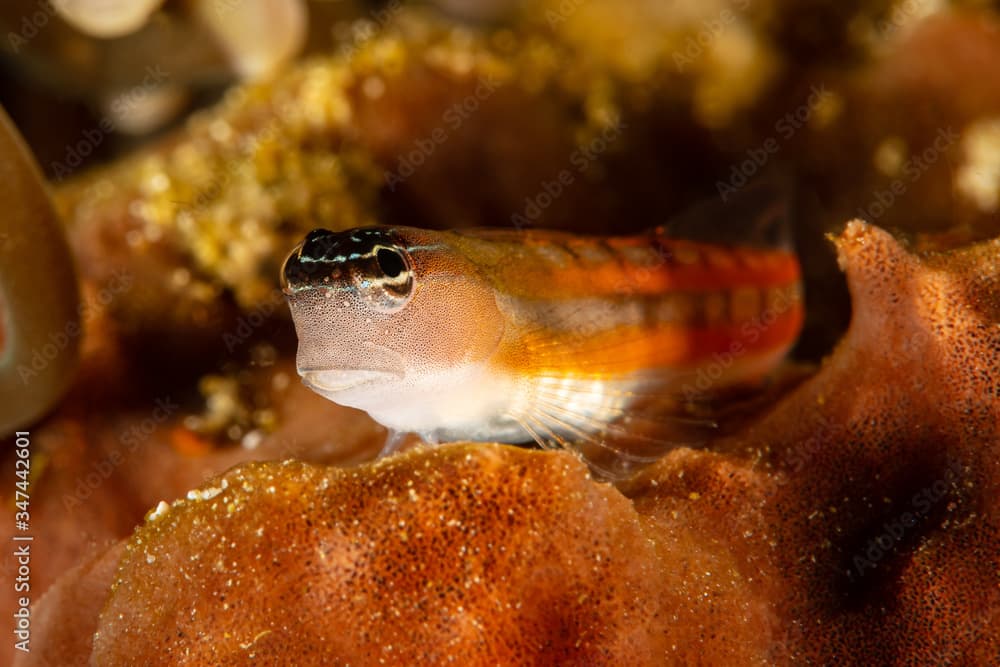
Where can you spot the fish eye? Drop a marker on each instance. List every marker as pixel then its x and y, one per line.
pixel 388 283
pixel 390 261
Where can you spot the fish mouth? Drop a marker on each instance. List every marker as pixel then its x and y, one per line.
pixel 336 380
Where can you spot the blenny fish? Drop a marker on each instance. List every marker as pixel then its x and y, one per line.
pixel 598 344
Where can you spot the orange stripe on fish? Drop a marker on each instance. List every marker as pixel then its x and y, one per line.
pixel 571 341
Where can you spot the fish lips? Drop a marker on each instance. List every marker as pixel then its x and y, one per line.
pixel 332 381
pixel 338 372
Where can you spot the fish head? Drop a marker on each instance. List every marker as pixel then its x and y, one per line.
pixel 383 311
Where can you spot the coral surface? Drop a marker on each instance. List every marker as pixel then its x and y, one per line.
pixel 854 520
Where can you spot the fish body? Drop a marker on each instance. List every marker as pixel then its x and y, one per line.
pixel 596 343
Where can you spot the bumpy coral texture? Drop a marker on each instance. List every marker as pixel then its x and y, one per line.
pixel 463 555
pixel 868 498
pixel 857 523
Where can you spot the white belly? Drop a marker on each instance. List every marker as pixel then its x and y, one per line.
pixel 464 403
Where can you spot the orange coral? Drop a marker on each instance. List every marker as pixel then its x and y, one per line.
pixel 856 522
pixel 464 554
pixel 867 498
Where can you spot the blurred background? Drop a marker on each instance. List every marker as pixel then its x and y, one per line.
pixel 847 97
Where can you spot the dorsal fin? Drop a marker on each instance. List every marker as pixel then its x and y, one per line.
pixel 756 215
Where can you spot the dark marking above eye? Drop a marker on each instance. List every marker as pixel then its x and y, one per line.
pixel 327 259
pixel 390 262
pixel 317 243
